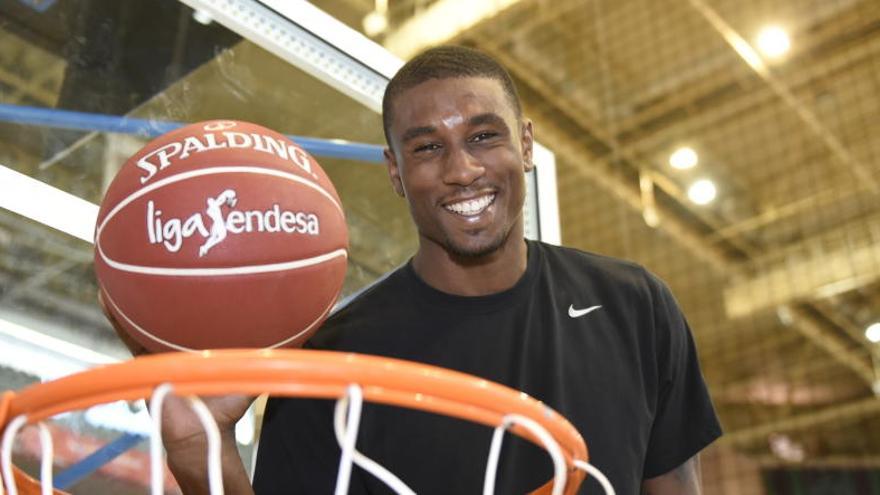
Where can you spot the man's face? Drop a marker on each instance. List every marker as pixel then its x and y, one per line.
pixel 458 154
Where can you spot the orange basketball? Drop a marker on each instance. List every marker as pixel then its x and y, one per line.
pixel 220 234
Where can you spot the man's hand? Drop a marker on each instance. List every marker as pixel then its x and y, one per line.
pixel 184 437
pixel 181 426
pixel 683 480
pixel 187 445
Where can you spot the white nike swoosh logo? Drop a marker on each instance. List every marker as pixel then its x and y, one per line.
pixel 577 313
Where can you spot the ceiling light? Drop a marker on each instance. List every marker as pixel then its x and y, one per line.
pixel 202 17
pixel 375 23
pixel 702 191
pixel 872 333
pixel 46 204
pixel 773 41
pixel 786 449
pixel 683 158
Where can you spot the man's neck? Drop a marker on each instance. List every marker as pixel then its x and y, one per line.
pixel 480 276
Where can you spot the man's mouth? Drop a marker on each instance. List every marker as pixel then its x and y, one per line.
pixel 471 207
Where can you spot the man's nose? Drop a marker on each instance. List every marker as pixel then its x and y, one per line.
pixel 462 167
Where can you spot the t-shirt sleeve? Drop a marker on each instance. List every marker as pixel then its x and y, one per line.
pixel 297 452
pixel 685 421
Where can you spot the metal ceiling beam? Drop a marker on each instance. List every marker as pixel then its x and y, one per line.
pixel 752 364
pixel 26 87
pixel 50 74
pixel 87 313
pixel 824 462
pixel 850 411
pixel 750 96
pixel 31 234
pixel 682 89
pixel 808 270
pixel 440 22
pixel 747 391
pixel 842 320
pixel 717 349
pixel 858 360
pixel 36 280
pixel 771 214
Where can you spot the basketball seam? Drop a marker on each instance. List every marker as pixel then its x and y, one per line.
pixel 312 324
pixel 233 270
pixel 141 330
pixel 178 347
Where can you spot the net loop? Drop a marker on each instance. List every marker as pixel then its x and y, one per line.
pixel 594 472
pixel 346 436
pixel 350 405
pixel 47 455
pixel 212 433
pixel 551 445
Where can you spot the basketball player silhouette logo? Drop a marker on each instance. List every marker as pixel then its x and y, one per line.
pixel 218 226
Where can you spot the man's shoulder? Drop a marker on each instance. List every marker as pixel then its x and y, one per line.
pixel 358 310
pixel 386 285
pixel 598 268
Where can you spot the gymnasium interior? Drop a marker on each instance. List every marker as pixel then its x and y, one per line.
pixel 732 147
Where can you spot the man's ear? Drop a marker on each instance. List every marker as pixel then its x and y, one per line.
pixel 527 142
pixel 394 172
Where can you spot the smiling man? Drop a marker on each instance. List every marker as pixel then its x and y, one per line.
pixel 600 340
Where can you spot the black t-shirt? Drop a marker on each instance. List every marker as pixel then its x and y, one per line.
pixel 625 374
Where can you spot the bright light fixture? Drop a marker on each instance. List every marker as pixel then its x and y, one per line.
pixel 872 333
pixel 683 158
pixel 48 205
pixel 375 23
pixel 203 17
pixel 702 191
pixel 773 41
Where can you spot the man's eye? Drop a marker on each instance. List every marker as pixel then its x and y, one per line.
pixel 483 136
pixel 426 147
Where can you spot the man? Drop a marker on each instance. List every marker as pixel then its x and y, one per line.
pixel 600 340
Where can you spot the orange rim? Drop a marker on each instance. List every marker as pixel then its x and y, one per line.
pixel 300 373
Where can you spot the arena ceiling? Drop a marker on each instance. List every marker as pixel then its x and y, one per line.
pixel 779 276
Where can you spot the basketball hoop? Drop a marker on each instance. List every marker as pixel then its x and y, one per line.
pixel 350 378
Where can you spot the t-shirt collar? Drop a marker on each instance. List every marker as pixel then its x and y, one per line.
pixel 425 294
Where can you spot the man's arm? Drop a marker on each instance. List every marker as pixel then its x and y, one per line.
pixel 683 480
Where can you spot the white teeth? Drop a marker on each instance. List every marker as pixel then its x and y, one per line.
pixel 471 206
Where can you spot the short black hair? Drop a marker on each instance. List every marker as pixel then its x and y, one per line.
pixel 445 62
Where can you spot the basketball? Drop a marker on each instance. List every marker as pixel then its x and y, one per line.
pixel 220 234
